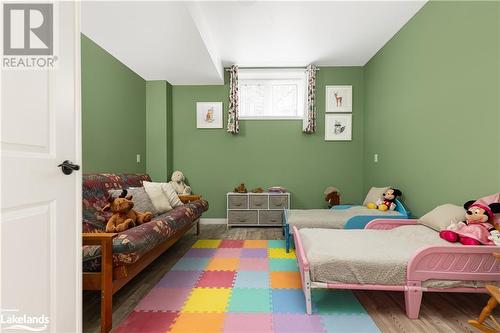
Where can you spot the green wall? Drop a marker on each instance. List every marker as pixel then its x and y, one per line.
pixel 428 103
pixel 159 129
pixel 113 113
pixel 268 152
pixel 432 109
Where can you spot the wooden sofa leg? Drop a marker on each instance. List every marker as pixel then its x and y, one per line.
pixel 198 227
pixel 413 299
pixel 106 287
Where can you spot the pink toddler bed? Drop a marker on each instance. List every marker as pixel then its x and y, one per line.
pixel 392 255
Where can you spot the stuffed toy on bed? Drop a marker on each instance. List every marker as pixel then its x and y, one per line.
pixel 477 228
pixel 124 216
pixel 387 200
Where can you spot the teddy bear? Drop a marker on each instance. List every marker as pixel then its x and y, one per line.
pixel 240 189
pixel 124 216
pixel 178 183
pixel 477 228
pixel 332 196
pixel 387 200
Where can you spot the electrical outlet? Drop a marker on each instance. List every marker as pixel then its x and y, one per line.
pixel 375 158
pixel 138 158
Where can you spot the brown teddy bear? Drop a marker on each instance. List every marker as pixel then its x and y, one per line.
pixel 124 217
pixel 240 189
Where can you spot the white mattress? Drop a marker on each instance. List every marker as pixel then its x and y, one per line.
pixel 330 218
pixel 365 256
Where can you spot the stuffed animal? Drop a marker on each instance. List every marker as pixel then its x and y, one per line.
pixel 477 228
pixel 495 235
pixel 124 217
pixel 258 190
pixel 332 196
pixel 178 183
pixel 387 200
pixel 240 189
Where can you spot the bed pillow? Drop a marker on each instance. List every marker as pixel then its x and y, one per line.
pixel 140 198
pixel 172 196
pixel 374 194
pixel 157 196
pixel 442 216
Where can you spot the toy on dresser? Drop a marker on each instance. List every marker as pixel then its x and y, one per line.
pixel 477 228
pixel 240 189
pixel 387 200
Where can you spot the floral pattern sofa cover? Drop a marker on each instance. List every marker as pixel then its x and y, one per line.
pixel 133 243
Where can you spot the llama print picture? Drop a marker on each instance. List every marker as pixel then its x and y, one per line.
pixel 338 99
pixel 338 127
pixel 209 115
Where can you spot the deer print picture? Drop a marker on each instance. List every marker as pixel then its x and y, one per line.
pixel 338 99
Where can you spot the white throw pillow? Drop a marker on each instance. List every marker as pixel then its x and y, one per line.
pixel 158 198
pixel 374 194
pixel 442 216
pixel 172 196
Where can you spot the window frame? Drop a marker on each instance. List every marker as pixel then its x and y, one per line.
pixel 274 74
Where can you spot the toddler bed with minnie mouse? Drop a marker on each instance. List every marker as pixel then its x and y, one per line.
pixel 380 202
pixel 413 256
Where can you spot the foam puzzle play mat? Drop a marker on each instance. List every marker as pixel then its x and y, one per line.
pixel 242 286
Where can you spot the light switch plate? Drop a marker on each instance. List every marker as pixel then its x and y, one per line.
pixel 138 158
pixel 375 158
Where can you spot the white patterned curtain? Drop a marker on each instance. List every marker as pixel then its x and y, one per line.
pixel 309 124
pixel 233 120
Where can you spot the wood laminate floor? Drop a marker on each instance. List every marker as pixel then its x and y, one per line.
pixel 440 312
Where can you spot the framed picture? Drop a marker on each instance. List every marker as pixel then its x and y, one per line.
pixel 338 99
pixel 209 115
pixel 338 127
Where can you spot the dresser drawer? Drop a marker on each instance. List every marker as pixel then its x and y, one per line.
pixel 237 201
pixel 258 201
pixel 278 201
pixel 271 217
pixel 242 217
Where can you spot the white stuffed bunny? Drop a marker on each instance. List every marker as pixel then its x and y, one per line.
pixel 178 183
pixel 495 237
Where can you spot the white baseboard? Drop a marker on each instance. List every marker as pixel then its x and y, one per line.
pixel 212 220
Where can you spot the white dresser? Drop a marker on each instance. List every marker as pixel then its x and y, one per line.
pixel 256 209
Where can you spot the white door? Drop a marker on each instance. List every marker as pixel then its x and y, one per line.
pixel 40 227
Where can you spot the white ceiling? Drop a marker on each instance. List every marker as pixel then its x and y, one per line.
pixel 190 42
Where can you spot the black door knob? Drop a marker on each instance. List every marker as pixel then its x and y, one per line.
pixel 67 167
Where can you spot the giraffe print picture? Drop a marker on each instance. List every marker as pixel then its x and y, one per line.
pixel 338 98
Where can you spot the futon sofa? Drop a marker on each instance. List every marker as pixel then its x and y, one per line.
pixel 110 260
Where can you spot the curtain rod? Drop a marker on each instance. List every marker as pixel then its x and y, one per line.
pixel 228 69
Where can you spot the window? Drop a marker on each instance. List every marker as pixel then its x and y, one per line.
pixel 272 93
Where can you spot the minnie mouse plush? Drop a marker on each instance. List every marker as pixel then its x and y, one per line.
pixel 476 229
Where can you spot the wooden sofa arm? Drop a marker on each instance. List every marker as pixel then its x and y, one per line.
pixel 97 238
pixel 387 224
pixel 189 197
